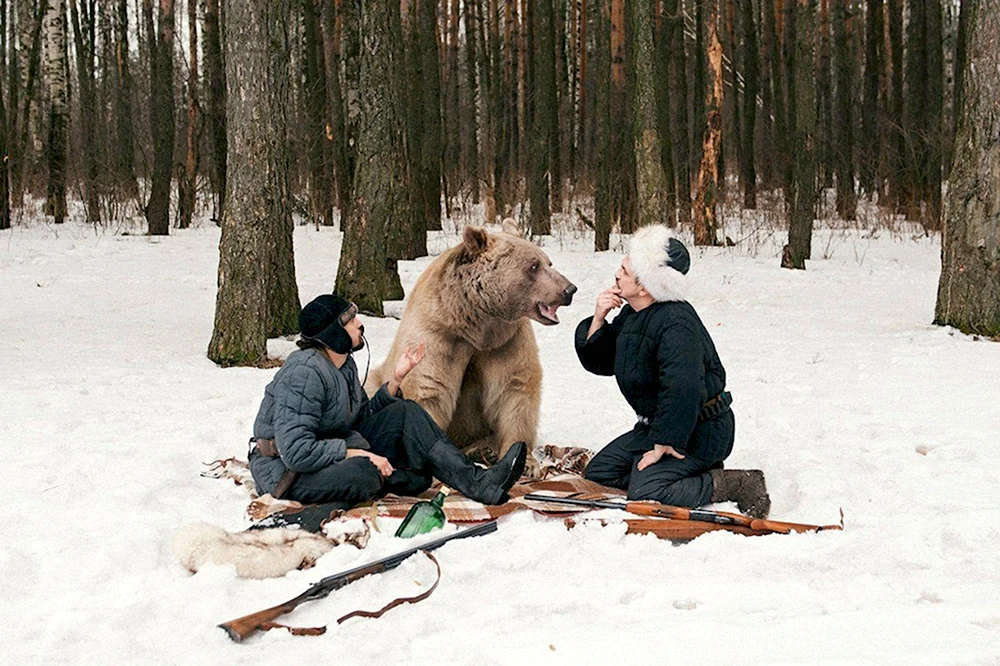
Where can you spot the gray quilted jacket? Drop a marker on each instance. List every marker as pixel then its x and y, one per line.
pixel 309 410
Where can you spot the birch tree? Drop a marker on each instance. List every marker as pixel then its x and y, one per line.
pixel 58 87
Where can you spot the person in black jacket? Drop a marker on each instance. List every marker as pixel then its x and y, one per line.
pixel 318 438
pixel 669 371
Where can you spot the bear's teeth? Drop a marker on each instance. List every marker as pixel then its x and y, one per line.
pixel 548 312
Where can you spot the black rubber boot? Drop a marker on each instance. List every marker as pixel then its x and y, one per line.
pixel 488 486
pixel 743 486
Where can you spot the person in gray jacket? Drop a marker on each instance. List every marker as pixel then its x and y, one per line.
pixel 319 438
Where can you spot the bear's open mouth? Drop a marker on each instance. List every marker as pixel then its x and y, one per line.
pixel 548 314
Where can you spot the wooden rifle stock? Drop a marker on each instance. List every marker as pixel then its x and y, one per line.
pixel 657 510
pixel 245 626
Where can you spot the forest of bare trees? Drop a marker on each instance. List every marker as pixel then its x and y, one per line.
pixel 614 113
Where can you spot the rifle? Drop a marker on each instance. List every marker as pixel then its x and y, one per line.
pixel 247 625
pixel 679 513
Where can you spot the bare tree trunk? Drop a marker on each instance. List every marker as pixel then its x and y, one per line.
pixel 452 119
pixel 602 130
pixel 871 145
pixel 55 75
pixel 961 59
pixel 824 99
pixel 216 80
pixel 542 115
pixel 969 290
pixel 4 161
pixel 803 200
pixel 847 201
pixel 83 21
pixel 915 111
pixel 662 35
pixel 700 74
pixel 188 186
pixel 255 257
pixel 314 83
pixel 705 221
pixel 27 140
pixel 470 143
pixel 933 115
pixel 161 113
pixel 650 179
pixel 426 150
pixel 380 178
pixel 332 28
pixel 750 58
pixel 674 27
pixel 772 18
pixel 125 171
pixel 624 195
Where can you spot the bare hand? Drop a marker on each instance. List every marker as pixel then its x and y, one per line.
pixel 382 464
pixel 607 300
pixel 659 450
pixel 408 360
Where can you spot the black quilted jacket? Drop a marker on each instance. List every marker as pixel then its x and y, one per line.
pixel 665 363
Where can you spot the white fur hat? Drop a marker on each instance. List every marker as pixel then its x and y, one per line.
pixel 660 262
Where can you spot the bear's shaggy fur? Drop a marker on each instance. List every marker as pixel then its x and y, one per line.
pixel 480 378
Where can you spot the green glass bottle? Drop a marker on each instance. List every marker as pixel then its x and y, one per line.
pixel 424 516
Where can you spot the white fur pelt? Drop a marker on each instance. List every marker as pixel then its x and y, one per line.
pixel 266 553
pixel 648 254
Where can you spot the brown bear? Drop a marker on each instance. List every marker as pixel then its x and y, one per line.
pixel 480 378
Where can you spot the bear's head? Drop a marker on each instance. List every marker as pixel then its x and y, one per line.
pixel 511 278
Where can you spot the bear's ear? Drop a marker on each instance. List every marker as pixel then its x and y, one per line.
pixel 509 226
pixel 474 241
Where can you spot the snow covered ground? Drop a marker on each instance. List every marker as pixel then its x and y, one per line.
pixel 845 395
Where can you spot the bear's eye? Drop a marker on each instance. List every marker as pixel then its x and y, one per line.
pixel 535 266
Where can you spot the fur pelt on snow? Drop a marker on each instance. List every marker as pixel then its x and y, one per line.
pixel 263 553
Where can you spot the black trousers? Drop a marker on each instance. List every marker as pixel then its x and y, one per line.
pixel 402 432
pixel 669 481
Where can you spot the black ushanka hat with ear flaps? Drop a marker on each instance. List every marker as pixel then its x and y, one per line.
pixel 320 320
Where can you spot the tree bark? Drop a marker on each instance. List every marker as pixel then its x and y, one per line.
pixel 256 264
pixel 332 27
pixel 969 290
pixel 933 115
pixel 847 202
pixel 314 84
pixel 380 177
pixel 772 17
pixel 674 27
pixel 161 113
pixel 188 186
pixel 602 129
pixel 824 99
pixel 750 58
pixel 662 37
pixel 425 115
pixel 83 19
pixel 542 115
pixel 897 138
pixel 55 75
pixel 216 93
pixel 803 200
pixel 871 145
pixel 651 181
pixel 4 161
pixel 961 59
pixel 126 178
pixel 915 110
pixel 470 142
pixel 705 220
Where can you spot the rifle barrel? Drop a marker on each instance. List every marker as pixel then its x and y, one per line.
pixel 243 627
pixel 575 501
